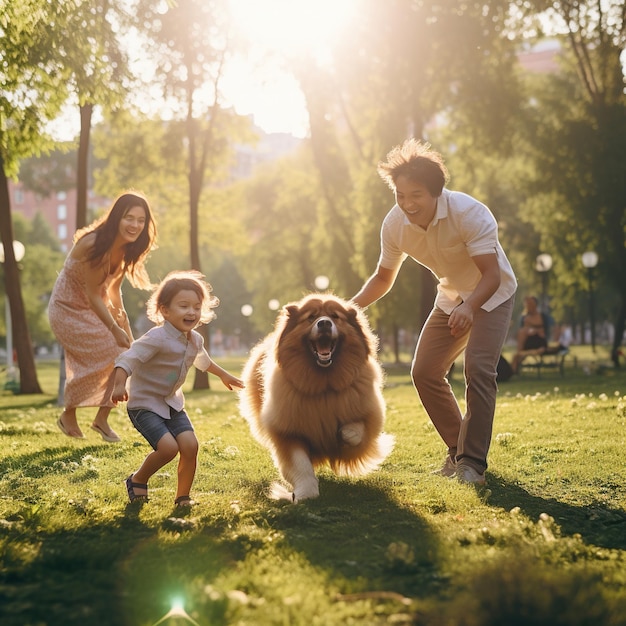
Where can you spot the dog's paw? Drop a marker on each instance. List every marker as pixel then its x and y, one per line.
pixel 352 434
pixel 306 490
pixel 278 491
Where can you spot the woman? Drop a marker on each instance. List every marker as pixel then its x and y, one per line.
pixel 456 237
pixel 86 310
pixel 532 336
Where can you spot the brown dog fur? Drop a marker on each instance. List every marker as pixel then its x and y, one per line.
pixel 307 414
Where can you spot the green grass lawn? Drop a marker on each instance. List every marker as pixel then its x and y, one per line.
pixel 544 543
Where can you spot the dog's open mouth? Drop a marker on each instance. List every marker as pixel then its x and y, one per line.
pixel 323 351
pixel 323 337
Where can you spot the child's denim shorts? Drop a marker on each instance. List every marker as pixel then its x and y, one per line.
pixel 153 426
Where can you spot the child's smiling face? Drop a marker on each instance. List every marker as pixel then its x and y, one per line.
pixel 184 310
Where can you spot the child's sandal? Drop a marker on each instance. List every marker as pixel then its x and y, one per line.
pixel 184 501
pixel 130 488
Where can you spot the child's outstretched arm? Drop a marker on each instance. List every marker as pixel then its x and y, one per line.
pixel 228 379
pixel 119 388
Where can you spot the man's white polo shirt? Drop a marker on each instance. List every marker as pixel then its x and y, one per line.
pixel 462 228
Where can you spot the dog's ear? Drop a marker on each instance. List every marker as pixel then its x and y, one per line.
pixel 288 319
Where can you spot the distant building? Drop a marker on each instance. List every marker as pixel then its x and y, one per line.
pixel 542 57
pixel 270 147
pixel 59 209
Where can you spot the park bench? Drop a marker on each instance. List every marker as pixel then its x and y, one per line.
pixel 553 357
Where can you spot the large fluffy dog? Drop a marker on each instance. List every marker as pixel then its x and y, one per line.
pixel 313 394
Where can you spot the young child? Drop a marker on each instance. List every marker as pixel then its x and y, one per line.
pixel 158 363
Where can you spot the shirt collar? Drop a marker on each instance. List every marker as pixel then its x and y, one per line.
pixel 441 211
pixel 173 332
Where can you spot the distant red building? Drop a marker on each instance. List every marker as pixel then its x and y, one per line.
pixel 541 58
pixel 58 209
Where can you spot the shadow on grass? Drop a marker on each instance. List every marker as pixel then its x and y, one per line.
pixel 130 569
pixel 598 524
pixel 362 537
pixel 125 571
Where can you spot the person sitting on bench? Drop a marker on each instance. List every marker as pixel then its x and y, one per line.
pixel 532 336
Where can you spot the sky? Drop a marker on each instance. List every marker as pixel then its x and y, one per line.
pixel 289 28
pixel 256 84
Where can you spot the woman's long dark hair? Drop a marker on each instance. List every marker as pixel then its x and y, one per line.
pixel 106 229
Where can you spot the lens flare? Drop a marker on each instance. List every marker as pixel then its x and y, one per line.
pixel 177 610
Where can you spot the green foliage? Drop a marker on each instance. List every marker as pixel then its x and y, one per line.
pixel 577 190
pixel 133 153
pixel 279 210
pixel 542 544
pixel 90 45
pixel 34 82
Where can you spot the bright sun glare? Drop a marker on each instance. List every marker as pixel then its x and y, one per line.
pixel 258 85
pixel 293 26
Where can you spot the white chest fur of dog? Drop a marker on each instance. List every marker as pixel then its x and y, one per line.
pixel 313 394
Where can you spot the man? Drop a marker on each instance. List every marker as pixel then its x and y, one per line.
pixel 456 237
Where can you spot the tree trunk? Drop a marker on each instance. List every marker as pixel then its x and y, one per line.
pixel 198 155
pixel 201 379
pixel 82 178
pixel 21 336
pixel 619 333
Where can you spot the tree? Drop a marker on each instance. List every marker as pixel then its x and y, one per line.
pixel 33 91
pixel 578 126
pixel 98 73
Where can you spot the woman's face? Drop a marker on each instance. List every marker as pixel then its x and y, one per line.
pixel 531 305
pixel 415 200
pixel 132 224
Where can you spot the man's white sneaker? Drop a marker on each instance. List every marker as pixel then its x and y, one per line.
pixel 467 474
pixel 448 469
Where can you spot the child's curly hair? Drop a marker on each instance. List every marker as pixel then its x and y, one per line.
pixel 175 282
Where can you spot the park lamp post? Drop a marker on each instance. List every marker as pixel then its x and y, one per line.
pixel 590 260
pixel 543 264
pixel 322 282
pixel 18 251
pixel 273 304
